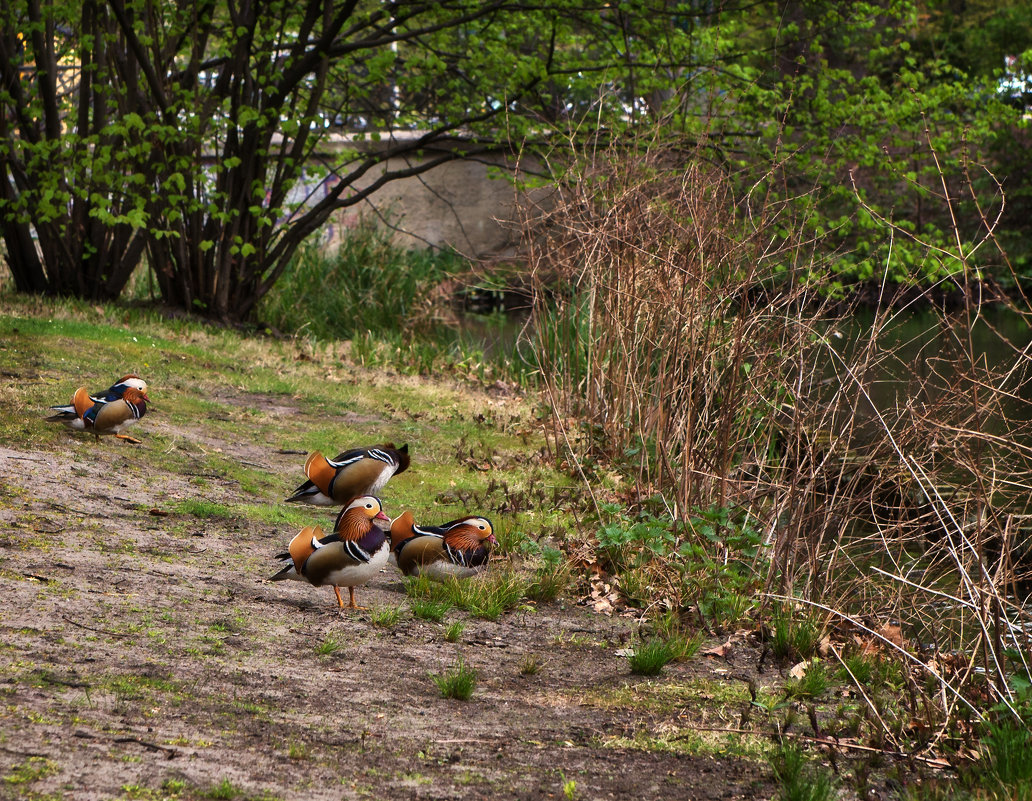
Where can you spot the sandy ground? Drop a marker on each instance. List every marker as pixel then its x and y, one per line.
pixel 145 655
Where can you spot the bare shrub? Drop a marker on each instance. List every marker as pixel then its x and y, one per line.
pixel 685 333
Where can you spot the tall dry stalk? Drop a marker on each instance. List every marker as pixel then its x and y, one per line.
pixel 662 322
pixel 682 332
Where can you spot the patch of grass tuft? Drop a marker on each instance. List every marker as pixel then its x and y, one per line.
pixel 457 683
pixel 798 780
pixel 31 770
pixel 550 580
pixel 385 616
pixel 485 596
pixel 794 636
pixel 454 632
pixel 650 656
pixel 202 508
pixel 812 684
pixel 530 665
pixel 428 609
pixel 1009 755
pixel 330 645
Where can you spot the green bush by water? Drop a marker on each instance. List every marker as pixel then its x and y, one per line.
pixel 369 284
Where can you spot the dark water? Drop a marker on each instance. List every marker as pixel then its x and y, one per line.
pixel 930 358
pixel 918 354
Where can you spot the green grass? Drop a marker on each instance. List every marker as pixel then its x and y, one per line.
pixel 329 645
pixel 198 507
pixel 530 665
pixel 31 770
pixel 429 609
pixel 812 684
pixel 486 596
pixel 650 656
pixel 550 580
pixel 454 631
pixel 798 778
pixel 385 616
pixel 369 284
pixel 457 683
pixel 1009 755
pixel 794 636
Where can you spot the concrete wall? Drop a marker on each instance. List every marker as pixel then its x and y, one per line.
pixel 465 205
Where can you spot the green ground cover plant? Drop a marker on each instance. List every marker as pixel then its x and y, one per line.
pixel 458 683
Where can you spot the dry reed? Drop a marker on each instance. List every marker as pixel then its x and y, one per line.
pixel 683 331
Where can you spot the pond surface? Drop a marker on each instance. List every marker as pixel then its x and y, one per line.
pixel 930 357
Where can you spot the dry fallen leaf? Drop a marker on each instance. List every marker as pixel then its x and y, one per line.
pixel 894 634
pixel 719 650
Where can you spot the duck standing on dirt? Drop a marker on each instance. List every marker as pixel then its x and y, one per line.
pixel 112 417
pixel 350 556
pixel 457 549
pixel 361 471
pixel 66 414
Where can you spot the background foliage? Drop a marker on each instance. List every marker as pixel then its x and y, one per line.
pixel 191 137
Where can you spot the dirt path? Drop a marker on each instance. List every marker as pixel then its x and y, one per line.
pixel 145 656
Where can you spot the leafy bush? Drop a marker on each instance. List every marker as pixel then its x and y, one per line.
pixel 369 284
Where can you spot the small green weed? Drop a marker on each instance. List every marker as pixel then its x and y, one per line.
pixel 797 779
pixel 225 790
pixel 627 543
pixel 457 683
pixel 424 587
pixel 530 665
pixel 385 616
pixel 493 595
pixel 427 609
pixel 202 508
pixel 858 667
pixel 812 684
pixel 454 632
pixel 486 596
pixel 794 636
pixel 31 770
pixel 551 579
pixel 1009 755
pixel 668 627
pixel 330 645
pixel 650 656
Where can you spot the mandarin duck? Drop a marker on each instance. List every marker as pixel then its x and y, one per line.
pixel 456 549
pixel 350 556
pixel 361 471
pixel 67 415
pixel 111 417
